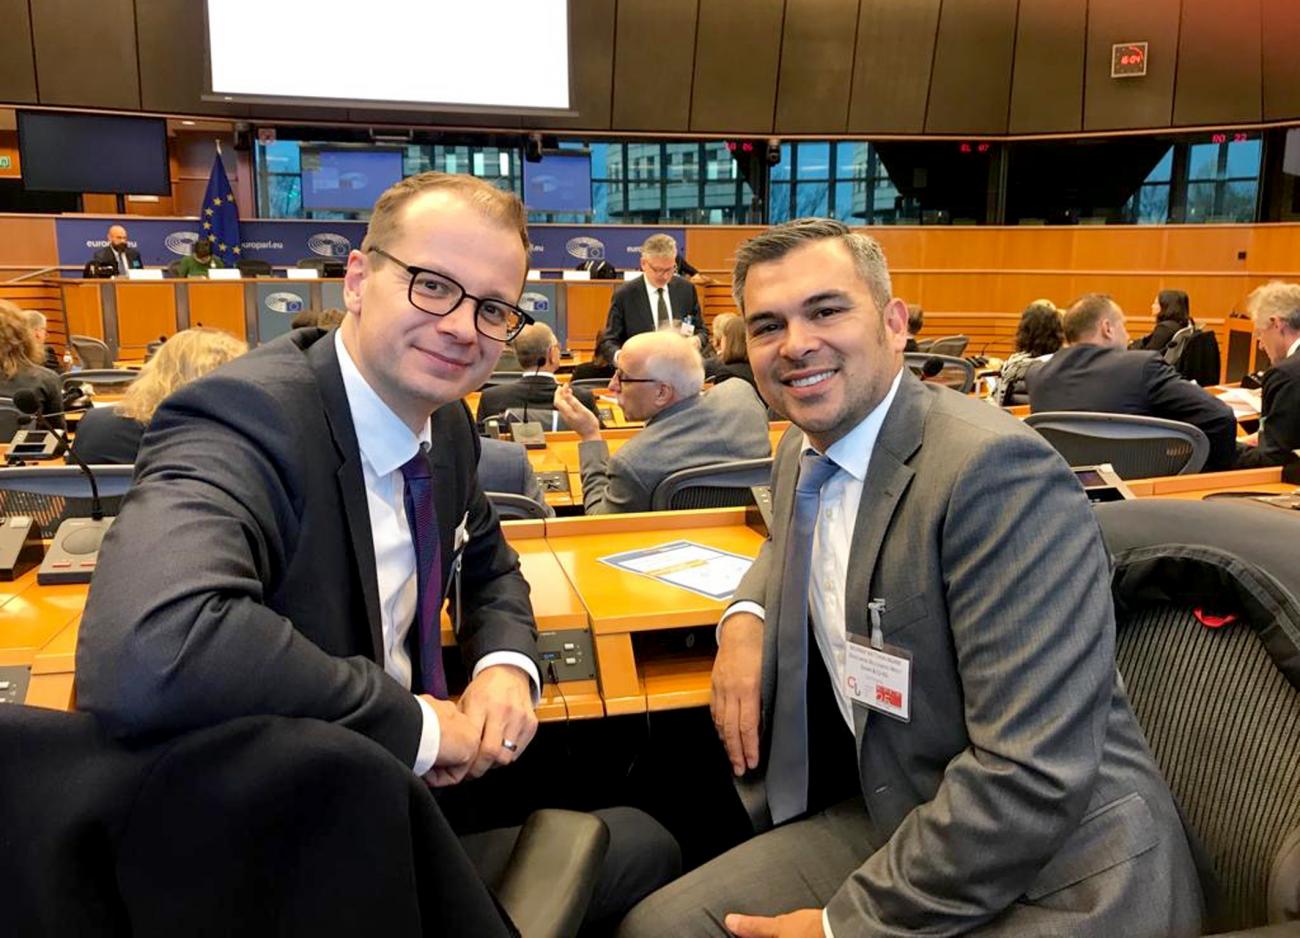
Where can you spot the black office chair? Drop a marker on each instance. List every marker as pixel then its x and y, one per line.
pixel 956 373
pixel 251 267
pixel 720 485
pixel 92 352
pixel 948 345
pixel 52 492
pixel 101 379
pixel 923 345
pixel 290 826
pixel 174 268
pixel 512 507
pixel 11 419
pixel 1138 447
pixel 1219 701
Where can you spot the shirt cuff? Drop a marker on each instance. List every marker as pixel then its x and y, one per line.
pixel 744 605
pixel 430 738
pixel 826 924
pixel 520 661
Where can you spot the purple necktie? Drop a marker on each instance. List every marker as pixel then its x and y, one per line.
pixel 428 569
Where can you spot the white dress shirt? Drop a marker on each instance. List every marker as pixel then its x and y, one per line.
pixel 386 444
pixel 653 293
pixel 1294 345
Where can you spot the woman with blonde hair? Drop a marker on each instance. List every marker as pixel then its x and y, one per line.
pixel 19 352
pixel 112 434
pixel 733 352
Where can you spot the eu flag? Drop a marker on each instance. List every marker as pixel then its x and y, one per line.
pixel 219 217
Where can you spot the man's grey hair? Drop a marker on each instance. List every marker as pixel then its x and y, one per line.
pixel 1275 299
pixel 35 319
pixel 780 240
pixel 532 345
pixel 659 245
pixel 672 358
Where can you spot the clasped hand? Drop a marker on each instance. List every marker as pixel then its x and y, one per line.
pixel 496 707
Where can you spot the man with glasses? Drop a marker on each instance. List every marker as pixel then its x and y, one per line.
pixel 659 380
pixel 303 513
pixel 658 299
pixel 1275 308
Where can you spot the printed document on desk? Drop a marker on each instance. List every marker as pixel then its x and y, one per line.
pixel 704 570
pixel 1244 402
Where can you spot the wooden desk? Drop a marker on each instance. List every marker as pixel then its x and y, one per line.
pixel 1196 486
pixel 621 604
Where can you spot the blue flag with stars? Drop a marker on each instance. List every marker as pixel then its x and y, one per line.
pixel 219 217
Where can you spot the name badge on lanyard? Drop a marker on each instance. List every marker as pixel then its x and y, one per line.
pixel 877 675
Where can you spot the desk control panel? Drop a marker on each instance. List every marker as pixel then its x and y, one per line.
pixel 569 652
pixel 13 684
pixel 554 481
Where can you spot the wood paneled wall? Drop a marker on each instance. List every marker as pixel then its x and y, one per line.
pixel 760 67
pixel 46 298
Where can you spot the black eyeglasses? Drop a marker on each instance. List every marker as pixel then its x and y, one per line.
pixel 438 295
pixel 622 377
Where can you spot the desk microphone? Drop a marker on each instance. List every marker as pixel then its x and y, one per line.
pixel 74 552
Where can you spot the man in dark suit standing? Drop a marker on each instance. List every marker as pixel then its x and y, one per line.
pixel 117 255
pixel 303 512
pixel 917 680
pixel 658 299
pixel 539 355
pixel 1275 307
pixel 1095 372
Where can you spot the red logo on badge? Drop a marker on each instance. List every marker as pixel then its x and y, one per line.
pixel 888 696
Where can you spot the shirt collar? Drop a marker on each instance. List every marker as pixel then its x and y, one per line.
pixel 852 451
pixel 386 443
pixel 1294 345
pixel 540 374
pixel 653 292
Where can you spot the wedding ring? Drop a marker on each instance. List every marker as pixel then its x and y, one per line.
pixel 510 744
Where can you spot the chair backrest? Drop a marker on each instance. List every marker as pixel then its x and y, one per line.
pixel 956 373
pixel 92 352
pixel 50 493
pixel 1138 447
pixel 923 345
pixel 1200 360
pixel 325 266
pixel 1220 706
pixel 719 485
pixel 101 377
pixel 595 384
pixel 251 267
pixel 11 418
pixel 948 345
pixel 174 268
pixel 510 506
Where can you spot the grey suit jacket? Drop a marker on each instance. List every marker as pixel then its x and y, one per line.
pixel 1022 790
pixel 504 467
pixel 725 423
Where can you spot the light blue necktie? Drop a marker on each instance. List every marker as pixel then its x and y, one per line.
pixel 787 766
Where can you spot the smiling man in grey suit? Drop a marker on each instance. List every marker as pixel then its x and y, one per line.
pixel 933 718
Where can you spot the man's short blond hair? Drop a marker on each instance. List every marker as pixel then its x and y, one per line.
pixel 1275 299
pixel 659 245
pixel 533 344
pixel 493 203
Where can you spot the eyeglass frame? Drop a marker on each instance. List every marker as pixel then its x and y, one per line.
pixel 526 318
pixel 621 377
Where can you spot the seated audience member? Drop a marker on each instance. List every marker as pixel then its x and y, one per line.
pixel 503 467
pixel 734 353
pixel 659 380
pixel 1038 336
pixel 713 350
pixel 598 367
pixel 199 261
pixel 330 318
pixel 539 355
pixel 112 434
pixel 40 329
pixel 19 353
pixel 1275 308
pixel 1172 310
pixel 915 321
pixel 1094 372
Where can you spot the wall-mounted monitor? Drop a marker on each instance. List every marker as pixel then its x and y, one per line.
pixel 347 179
pixel 391 53
pixel 65 152
pixel 561 182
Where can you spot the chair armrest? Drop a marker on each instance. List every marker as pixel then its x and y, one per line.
pixel 552 872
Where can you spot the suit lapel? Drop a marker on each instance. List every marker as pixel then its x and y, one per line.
pixel 352 485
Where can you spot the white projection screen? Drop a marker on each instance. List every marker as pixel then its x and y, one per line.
pixel 465 55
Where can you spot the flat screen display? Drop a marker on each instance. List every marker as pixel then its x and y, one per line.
pixel 347 180
pixel 93 153
pixel 561 182
pixel 394 53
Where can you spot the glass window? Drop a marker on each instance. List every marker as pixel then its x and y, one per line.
pixel 283 196
pixel 813 160
pixel 1200 201
pixel 281 156
pixel 850 202
pixel 1163 169
pixel 781 171
pixel 1238 201
pixel 851 160
pixel 778 208
pixel 812 199
pixel 1149 205
pixel 1243 158
pixel 1203 161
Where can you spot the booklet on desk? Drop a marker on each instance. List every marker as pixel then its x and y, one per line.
pixel 704 570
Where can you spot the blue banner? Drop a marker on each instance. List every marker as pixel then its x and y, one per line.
pixel 565 246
